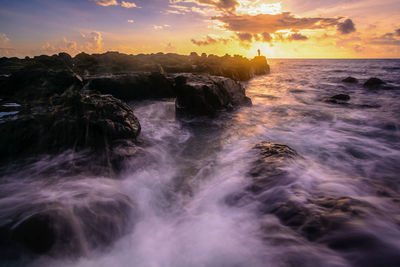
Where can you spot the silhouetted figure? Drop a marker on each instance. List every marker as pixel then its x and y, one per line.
pixel 259 52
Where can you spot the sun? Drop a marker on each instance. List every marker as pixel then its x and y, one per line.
pixel 257 7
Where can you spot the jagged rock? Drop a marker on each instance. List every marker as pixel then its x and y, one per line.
pixel 337 99
pixel 72 120
pixel 260 65
pixel 374 83
pixel 134 86
pixel 205 95
pixel 28 84
pixel 350 80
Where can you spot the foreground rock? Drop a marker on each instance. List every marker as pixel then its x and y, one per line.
pixel 73 120
pixel 206 95
pixel 374 83
pixel 70 225
pixel 334 221
pixel 350 80
pixel 133 86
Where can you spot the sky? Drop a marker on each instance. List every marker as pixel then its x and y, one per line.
pixel 280 29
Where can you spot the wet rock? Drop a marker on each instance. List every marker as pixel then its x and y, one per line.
pixel 363 248
pixel 73 120
pixel 267 170
pixel 318 217
pixel 337 99
pixel 134 86
pixel 374 83
pixel 64 230
pixel 206 95
pixel 350 80
pixel 29 84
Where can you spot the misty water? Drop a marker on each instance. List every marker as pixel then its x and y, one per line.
pixel 179 189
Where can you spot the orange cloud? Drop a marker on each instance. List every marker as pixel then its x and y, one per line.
pixel 209 41
pixel 272 23
pixel 106 2
pixel 128 4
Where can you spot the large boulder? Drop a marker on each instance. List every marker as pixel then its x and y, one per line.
pixel 206 95
pixel 73 120
pixel 134 86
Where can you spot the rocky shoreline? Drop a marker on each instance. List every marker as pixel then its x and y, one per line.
pixel 62 104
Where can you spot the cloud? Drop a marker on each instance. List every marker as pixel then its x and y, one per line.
pixel 272 23
pixel 297 37
pixel 247 37
pixel 115 3
pixel 209 41
pixel 218 4
pixel 397 32
pixel 93 41
pixel 179 7
pixel 128 4
pixel 388 39
pixel 346 27
pixel 7 52
pixel 106 2
pixel 130 21
pixel 4 40
pixel 266 37
pixel 160 27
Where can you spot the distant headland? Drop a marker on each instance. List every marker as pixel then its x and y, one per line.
pixel 236 67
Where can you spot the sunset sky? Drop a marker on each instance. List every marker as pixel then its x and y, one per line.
pixel 281 29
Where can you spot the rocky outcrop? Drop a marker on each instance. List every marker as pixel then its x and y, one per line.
pixel 235 67
pixel 205 95
pixel 373 83
pixel 28 85
pixel 350 80
pixel 337 99
pixel 73 120
pixel 260 65
pixel 133 86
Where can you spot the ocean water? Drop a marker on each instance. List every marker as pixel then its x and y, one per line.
pixel 180 190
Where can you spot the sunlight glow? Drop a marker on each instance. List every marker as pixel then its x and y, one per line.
pixel 251 7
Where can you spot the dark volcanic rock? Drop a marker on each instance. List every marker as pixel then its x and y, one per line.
pixel 65 229
pixel 205 95
pixel 134 86
pixel 71 121
pixel 374 83
pixel 260 65
pixel 268 167
pixel 28 84
pixel 350 80
pixel 337 99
